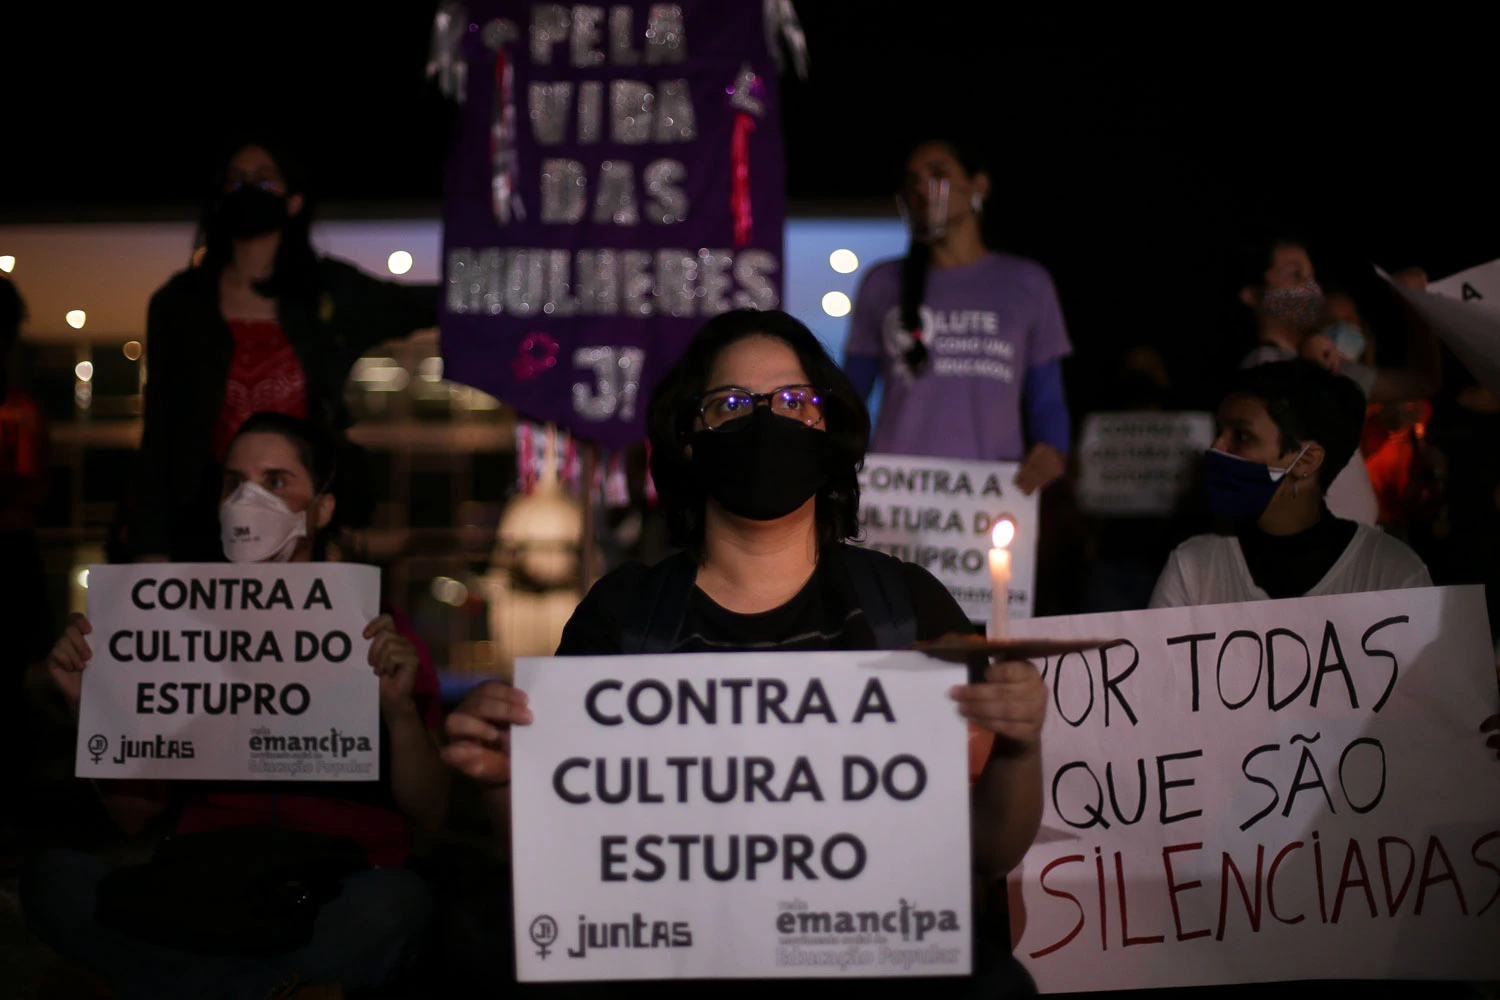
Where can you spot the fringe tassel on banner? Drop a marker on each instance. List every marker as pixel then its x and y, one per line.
pixel 543 452
pixel 782 24
pixel 505 198
pixel 550 451
pixel 571 463
pixel 650 485
pixel 739 188
pixel 525 458
pixel 616 489
pixel 445 62
pixel 746 95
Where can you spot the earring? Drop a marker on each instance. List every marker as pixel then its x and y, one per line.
pixel 977 204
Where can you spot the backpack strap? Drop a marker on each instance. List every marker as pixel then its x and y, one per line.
pixel 884 596
pixel 655 617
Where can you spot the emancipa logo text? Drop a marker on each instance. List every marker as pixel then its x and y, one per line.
pixel 336 743
pixel 907 920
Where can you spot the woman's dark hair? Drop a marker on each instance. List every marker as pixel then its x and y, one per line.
pixel 317 449
pixel 1256 252
pixel 672 410
pixel 296 273
pixel 1308 403
pixel 919 255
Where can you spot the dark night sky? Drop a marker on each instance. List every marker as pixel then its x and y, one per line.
pixel 1130 169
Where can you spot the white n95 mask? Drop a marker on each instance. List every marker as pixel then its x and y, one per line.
pixel 256 525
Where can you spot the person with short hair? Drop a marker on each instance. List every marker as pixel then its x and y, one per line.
pixel 1286 430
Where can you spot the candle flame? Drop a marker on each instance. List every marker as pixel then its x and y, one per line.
pixel 1004 533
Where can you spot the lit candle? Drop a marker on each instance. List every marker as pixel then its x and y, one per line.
pixel 1003 534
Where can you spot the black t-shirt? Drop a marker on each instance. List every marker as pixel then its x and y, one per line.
pixel 824 615
pixel 1291 565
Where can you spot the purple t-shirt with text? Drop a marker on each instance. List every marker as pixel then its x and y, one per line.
pixel 984 325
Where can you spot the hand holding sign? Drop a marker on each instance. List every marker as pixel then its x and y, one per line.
pixel 395 661
pixel 1043 465
pixel 1010 702
pixel 1320 349
pixel 69 657
pixel 480 731
pixel 1492 725
pixel 1411 277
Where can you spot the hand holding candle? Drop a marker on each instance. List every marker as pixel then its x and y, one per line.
pixel 1002 535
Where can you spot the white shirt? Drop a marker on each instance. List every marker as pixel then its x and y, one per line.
pixel 1211 569
pixel 1351 495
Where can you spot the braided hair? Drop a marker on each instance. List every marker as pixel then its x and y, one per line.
pixel 918 260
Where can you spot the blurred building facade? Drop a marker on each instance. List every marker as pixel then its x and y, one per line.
pixel 443 453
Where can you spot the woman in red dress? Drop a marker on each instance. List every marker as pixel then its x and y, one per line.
pixel 259 323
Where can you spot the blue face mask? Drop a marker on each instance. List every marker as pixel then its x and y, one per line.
pixel 1240 490
pixel 1349 339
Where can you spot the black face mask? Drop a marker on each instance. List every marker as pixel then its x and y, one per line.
pixel 252 211
pixel 763 466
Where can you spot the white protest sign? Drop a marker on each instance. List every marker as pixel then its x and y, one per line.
pixel 1478 285
pixel 1270 791
pixel 1464 310
pixel 236 672
pixel 1140 464
pixel 938 513
pixel 750 815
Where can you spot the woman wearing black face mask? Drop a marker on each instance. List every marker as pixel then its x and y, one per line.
pixel 261 323
pixel 757 437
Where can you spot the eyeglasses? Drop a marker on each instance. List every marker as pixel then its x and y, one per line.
pixel 721 408
pixel 236 181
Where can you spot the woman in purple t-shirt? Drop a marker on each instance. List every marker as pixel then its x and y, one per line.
pixel 961 336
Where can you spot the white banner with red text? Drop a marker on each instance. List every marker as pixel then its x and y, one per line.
pixel 1262 792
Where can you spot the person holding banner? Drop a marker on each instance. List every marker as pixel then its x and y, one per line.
pixel 1286 430
pixel 277 504
pixel 260 322
pixel 961 336
pixel 756 439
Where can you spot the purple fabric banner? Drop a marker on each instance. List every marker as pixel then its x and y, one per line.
pixel 616 179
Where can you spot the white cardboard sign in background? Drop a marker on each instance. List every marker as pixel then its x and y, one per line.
pixel 1140 464
pixel 938 513
pixel 627 868
pixel 1464 310
pixel 233 672
pixel 1313 801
